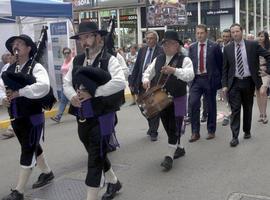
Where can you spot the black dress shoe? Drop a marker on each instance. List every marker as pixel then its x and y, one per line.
pixel 247 135
pixel 43 179
pixel 194 137
pixel 179 152
pixel 234 142
pixel 167 163
pixel 14 195
pixel 203 119
pixel 153 136
pixel 111 191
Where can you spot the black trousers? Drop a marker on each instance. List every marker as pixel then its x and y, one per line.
pixel 89 134
pixel 241 94
pixel 168 120
pixel 30 148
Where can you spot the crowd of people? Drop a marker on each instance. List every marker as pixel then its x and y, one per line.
pixel 232 68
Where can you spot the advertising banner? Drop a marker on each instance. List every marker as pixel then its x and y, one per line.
pixel 166 12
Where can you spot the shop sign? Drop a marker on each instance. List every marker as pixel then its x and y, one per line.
pixel 222 11
pixel 128 18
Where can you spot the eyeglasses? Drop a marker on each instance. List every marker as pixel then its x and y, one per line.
pixel 66 53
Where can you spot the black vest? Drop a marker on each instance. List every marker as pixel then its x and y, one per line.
pixel 25 107
pixel 101 105
pixel 174 86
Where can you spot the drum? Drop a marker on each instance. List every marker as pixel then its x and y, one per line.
pixel 153 101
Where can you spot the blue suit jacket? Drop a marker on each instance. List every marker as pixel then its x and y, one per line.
pixel 214 61
pixel 136 77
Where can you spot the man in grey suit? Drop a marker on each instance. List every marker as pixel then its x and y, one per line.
pixel 241 74
pixel 145 56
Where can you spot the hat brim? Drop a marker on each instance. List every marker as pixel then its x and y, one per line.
pixel 101 32
pixel 179 41
pixel 28 43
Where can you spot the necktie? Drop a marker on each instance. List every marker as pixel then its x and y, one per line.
pixel 148 59
pixel 201 58
pixel 239 60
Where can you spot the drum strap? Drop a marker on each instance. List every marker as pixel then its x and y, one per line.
pixel 163 78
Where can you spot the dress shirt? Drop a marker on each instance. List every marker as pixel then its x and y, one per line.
pixel 185 73
pixel 146 55
pixel 244 58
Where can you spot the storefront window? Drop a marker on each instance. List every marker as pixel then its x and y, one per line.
pixel 251 16
pixel 105 16
pixel 189 30
pixel 265 14
pixel 211 19
pixel 243 5
pixel 128 27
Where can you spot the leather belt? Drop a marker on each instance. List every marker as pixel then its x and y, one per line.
pixel 243 78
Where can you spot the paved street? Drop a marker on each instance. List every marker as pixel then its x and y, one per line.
pixel 211 170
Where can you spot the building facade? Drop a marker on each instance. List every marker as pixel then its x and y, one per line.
pixel 131 24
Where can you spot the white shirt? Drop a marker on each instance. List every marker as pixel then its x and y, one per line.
pixel 38 89
pixel 244 58
pixel 116 84
pixel 185 73
pixel 123 64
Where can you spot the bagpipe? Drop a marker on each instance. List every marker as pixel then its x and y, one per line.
pixel 91 76
pixel 17 80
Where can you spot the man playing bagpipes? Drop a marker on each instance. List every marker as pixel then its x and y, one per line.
pixel 27 82
pixel 172 70
pixel 94 85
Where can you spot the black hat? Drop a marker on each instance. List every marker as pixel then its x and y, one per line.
pixel 91 78
pixel 88 27
pixel 171 35
pixel 28 41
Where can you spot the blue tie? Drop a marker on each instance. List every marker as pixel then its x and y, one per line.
pixel 148 59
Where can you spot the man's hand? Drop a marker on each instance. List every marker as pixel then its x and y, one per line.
pixel 262 71
pixel 168 69
pixel 75 101
pixel 146 85
pixel 224 92
pixel 83 95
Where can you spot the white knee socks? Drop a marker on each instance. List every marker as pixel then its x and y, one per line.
pixel 110 176
pixel 92 193
pixel 171 150
pixel 42 164
pixel 23 179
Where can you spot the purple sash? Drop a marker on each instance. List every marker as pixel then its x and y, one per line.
pixel 13 108
pixel 86 110
pixel 180 109
pixel 107 131
pixel 38 122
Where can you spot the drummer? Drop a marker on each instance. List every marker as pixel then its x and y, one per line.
pixel 179 70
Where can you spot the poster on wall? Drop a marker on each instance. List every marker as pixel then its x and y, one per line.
pixel 59 39
pixel 166 12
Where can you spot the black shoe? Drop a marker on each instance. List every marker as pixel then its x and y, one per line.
pixel 111 191
pixel 179 152
pixel 153 136
pixel 247 135
pixel 14 195
pixel 203 119
pixel 226 121
pixel 43 179
pixel 234 142
pixel 167 163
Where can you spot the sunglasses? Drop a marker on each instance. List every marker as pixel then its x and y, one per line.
pixel 66 53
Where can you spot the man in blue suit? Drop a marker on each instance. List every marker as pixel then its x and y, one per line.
pixel 145 56
pixel 207 63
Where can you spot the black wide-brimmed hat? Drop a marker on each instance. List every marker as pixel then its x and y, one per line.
pixel 28 41
pixel 171 35
pixel 88 27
